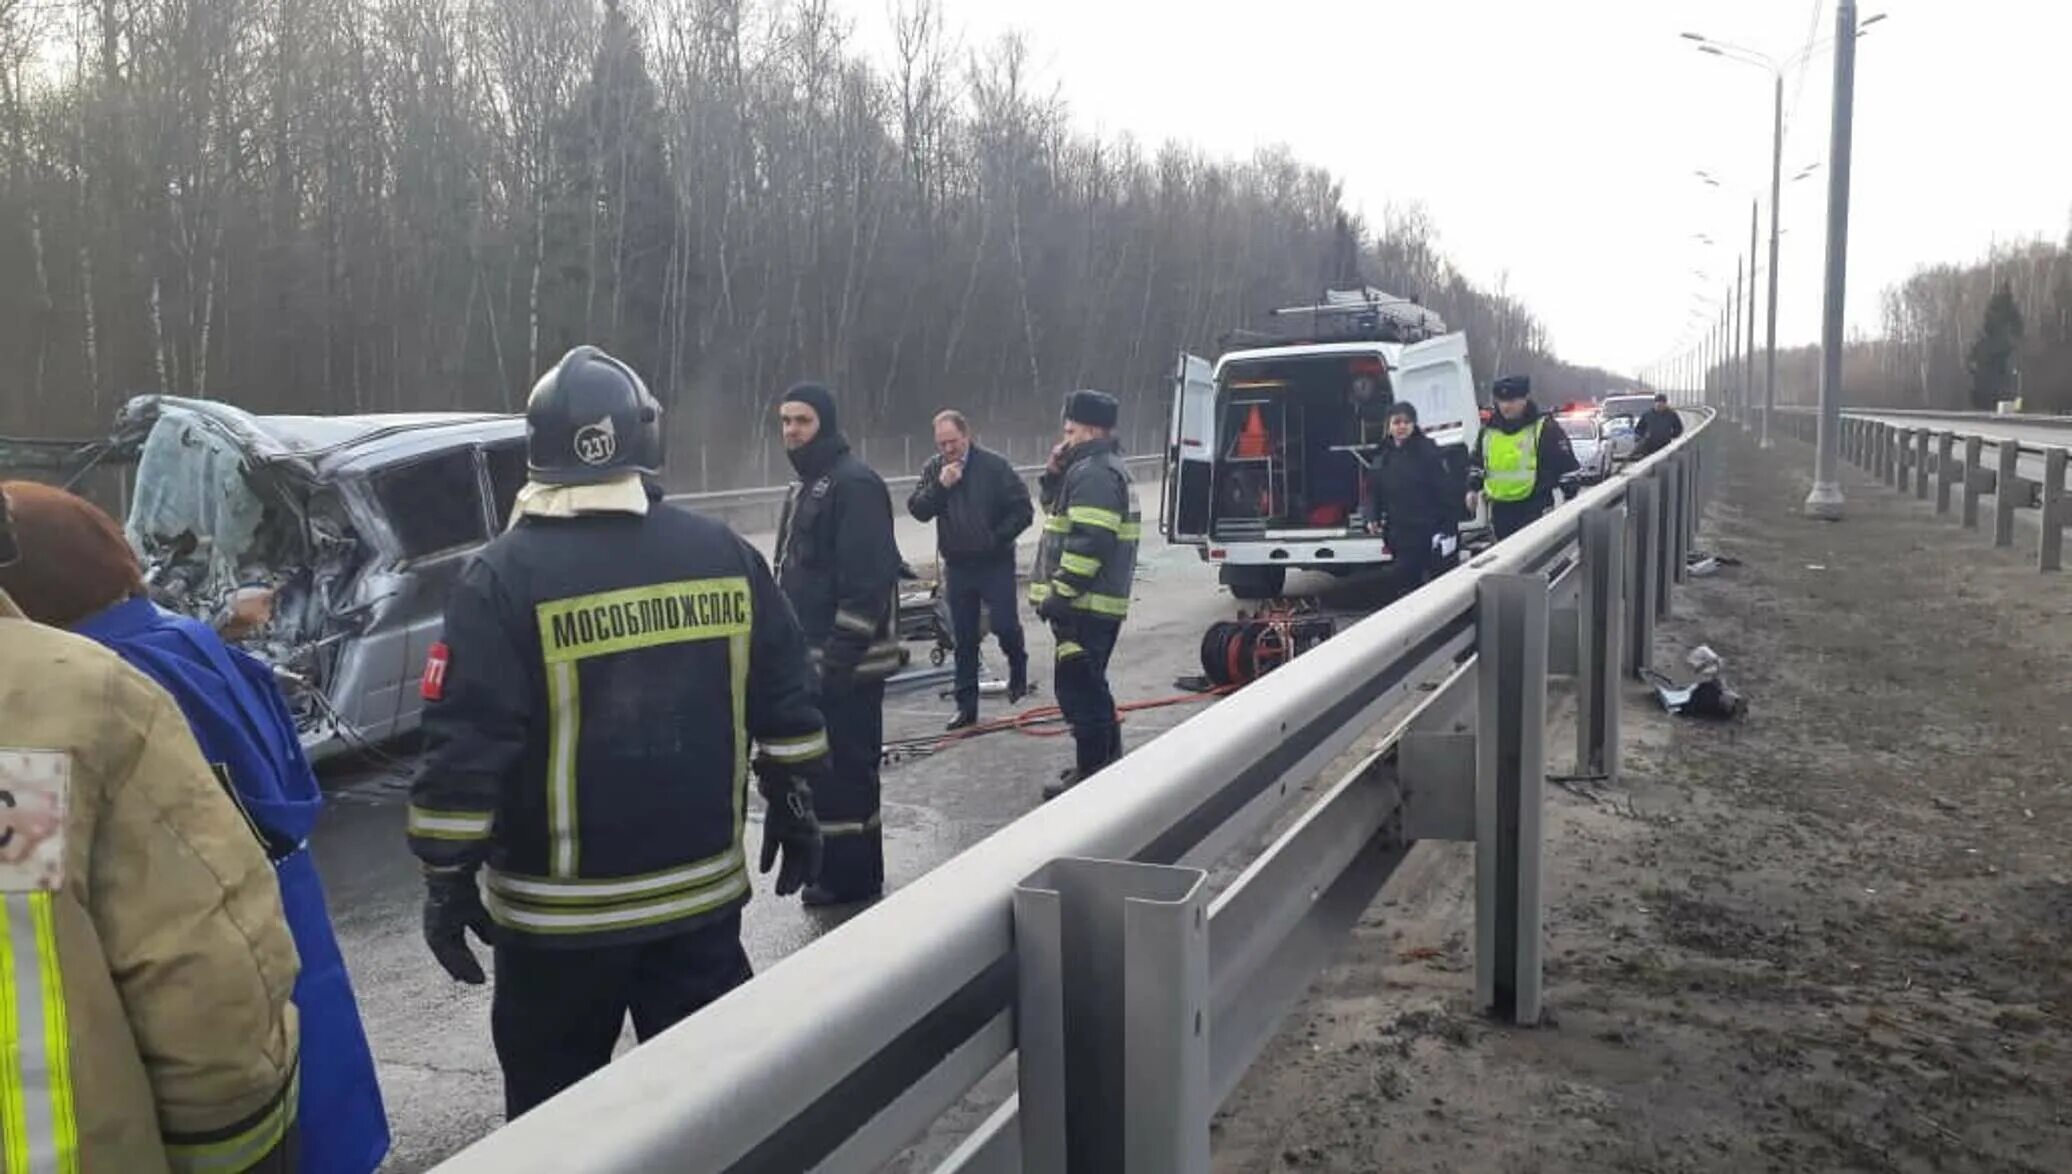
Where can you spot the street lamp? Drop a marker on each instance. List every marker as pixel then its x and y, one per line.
pixel 1825 501
pixel 1777 69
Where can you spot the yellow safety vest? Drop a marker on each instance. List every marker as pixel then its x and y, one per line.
pixel 1511 462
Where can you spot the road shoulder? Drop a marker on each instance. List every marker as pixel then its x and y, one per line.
pixel 1836 935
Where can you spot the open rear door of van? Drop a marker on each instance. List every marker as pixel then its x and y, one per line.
pixel 1190 464
pixel 1435 376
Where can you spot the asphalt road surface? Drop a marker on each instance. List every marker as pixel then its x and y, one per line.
pixel 431 1036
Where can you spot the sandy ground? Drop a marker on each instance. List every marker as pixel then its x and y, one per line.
pixel 1835 936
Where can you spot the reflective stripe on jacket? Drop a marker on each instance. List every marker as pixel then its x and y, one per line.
pixel 145 964
pixel 839 564
pixel 1088 551
pixel 1510 461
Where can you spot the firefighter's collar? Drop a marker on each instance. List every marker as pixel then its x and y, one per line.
pixel 626 495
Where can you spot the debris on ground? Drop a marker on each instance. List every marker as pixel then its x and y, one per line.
pixel 1708 697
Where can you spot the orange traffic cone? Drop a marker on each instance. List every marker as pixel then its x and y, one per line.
pixel 1253 440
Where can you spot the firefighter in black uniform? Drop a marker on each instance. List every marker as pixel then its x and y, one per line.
pixel 606 664
pixel 1080 584
pixel 839 565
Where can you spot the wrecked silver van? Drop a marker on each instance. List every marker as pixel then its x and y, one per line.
pixel 325 546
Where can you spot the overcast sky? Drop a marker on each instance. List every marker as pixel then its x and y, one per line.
pixel 1565 135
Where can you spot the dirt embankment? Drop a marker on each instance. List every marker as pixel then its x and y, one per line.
pixel 1835 936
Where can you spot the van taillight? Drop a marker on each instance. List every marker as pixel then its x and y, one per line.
pixel 1215 554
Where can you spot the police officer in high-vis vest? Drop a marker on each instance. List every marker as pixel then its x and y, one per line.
pixel 146 969
pixel 1080 583
pixel 607 666
pixel 1520 460
pixel 838 563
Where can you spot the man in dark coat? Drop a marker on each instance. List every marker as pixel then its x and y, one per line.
pixel 1412 497
pixel 839 563
pixel 1657 427
pixel 979 506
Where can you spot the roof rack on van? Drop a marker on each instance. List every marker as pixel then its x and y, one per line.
pixel 1364 315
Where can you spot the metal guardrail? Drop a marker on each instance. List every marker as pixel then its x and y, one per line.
pixel 757 510
pixel 1908 458
pixel 1082 941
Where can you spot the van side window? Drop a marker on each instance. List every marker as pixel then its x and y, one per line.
pixel 506 477
pixel 433 504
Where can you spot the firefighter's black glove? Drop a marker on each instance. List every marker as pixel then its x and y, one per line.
pixel 788 824
pixel 1055 608
pixel 452 907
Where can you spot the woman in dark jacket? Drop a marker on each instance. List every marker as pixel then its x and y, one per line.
pixel 1410 496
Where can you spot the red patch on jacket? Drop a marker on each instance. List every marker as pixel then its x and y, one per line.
pixel 433 686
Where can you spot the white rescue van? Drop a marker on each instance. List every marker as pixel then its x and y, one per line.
pixel 1266 464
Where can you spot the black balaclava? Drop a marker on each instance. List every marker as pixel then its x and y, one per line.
pixel 818 455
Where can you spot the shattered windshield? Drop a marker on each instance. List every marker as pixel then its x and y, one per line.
pixel 192 500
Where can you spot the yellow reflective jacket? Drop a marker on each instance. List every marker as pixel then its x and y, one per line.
pixel 145 965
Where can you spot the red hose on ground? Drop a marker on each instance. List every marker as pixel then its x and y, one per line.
pixel 1027 721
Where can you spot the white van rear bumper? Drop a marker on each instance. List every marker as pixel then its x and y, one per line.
pixel 1326 552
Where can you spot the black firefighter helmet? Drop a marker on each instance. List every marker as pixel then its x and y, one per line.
pixel 590 419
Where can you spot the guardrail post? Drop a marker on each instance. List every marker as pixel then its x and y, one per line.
pixel 1921 463
pixel 1601 631
pixel 1892 465
pixel 2005 489
pixel 1642 563
pixel 2050 550
pixel 1902 454
pixel 1111 1022
pixel 1670 480
pixel 1945 473
pixel 1510 772
pixel 1974 479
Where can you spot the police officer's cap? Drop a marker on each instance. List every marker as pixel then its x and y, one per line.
pixel 590 419
pixel 1512 387
pixel 1095 409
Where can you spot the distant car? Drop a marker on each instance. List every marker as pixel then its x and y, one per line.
pixel 1586 435
pixel 1628 407
pixel 1621 438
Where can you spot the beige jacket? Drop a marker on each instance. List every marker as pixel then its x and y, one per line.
pixel 145 965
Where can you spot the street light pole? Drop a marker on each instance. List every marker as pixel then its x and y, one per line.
pixel 1748 317
pixel 1737 363
pixel 1776 192
pixel 1825 501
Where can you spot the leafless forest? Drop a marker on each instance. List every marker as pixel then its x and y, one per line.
pixel 370 205
pixel 1922 357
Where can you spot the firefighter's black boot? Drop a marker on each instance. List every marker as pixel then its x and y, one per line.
pixel 1066 780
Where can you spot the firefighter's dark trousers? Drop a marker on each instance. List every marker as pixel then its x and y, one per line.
pixel 557 1013
pixel 1085 643
pixel 852 865
pixel 988 581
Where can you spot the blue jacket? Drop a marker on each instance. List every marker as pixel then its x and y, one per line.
pixel 245 731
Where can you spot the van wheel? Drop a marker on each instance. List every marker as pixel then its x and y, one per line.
pixel 1254 583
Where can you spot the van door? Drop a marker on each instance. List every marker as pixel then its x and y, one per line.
pixel 1434 375
pixel 1191 452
